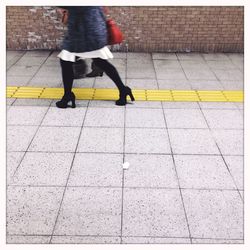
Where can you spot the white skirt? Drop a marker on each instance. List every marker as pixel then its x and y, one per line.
pixel 103 53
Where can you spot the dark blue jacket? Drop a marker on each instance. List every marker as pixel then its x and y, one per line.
pixel 87 29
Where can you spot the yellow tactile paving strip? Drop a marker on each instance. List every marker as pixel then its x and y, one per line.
pixel 139 94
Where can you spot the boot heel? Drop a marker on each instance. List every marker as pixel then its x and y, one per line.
pixel 73 98
pixel 131 97
pixel 73 104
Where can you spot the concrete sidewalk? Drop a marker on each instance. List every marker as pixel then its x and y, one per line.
pixel 66 182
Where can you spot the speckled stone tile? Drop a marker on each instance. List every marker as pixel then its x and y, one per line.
pixel 203 171
pixel 23 115
pixel 192 141
pixel 85 240
pixel 55 139
pixel 236 167
pixel 145 118
pixel 96 170
pixel 166 56
pixel 216 241
pixel 32 210
pixel 180 105
pixel 214 213
pixel 174 84
pixel 101 140
pixel 43 169
pixel 90 211
pixel 154 240
pixel 206 85
pixel 13 160
pixel 18 80
pixel 22 70
pixel 144 104
pixel 104 104
pixel 181 118
pixel 170 74
pixel 19 137
pixel 153 212
pixel 32 102
pixel 142 83
pixel 215 57
pixel 150 171
pixel 104 117
pixel 190 56
pixel 230 141
pixel 217 105
pixel 31 61
pixel 225 119
pixel 10 101
pixel 27 239
pixel 202 74
pixel 64 117
pixel 141 140
pixel 228 74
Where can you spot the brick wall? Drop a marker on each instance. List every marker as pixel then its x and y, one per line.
pixel 146 29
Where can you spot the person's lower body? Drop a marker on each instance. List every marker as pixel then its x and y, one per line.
pixel 105 66
pixel 112 73
pixel 95 71
pixel 67 77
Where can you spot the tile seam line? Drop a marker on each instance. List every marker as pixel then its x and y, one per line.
pixel 66 184
pixel 177 177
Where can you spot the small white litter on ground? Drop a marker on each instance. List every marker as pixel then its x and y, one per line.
pixel 125 165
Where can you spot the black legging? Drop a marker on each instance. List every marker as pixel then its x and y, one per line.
pixel 108 68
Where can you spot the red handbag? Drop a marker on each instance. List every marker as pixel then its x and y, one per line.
pixel 115 35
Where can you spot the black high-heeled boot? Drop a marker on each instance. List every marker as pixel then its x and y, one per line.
pixel 65 100
pixel 123 96
pixel 95 71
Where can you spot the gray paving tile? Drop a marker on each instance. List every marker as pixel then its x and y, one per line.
pixel 180 105
pixel 85 240
pixel 104 117
pixel 140 70
pixel 24 115
pixel 173 84
pixel 144 104
pixel 206 85
pixel 153 212
pixel 121 55
pixel 231 119
pixel 201 171
pixel 105 104
pixel 215 57
pixel 10 101
pixel 14 53
pixel 45 81
pixel 84 83
pixel 55 139
pixel 64 117
pixel 228 74
pixel 161 65
pixel 138 56
pixel 96 170
pixel 52 61
pixel 190 56
pixel 154 240
pixel 242 195
pixel 183 118
pixel 216 241
pixel 146 141
pixel 13 160
pixel 22 71
pixel 31 61
pixel 192 141
pixel 79 103
pixel 217 105
pixel 27 239
pixel 42 53
pixel 19 137
pixel 236 56
pixel 49 71
pixel 32 102
pixel 106 83
pixel 236 167
pixel 32 210
pixel 202 74
pixel 150 171
pixel 239 105
pixel 232 84
pixel 101 140
pixel 221 65
pixel 170 74
pixel 230 142
pixel 214 214
pixel 166 56
pixel 43 169
pixel 145 118
pixel 18 80
pixel 90 211
pixel 194 64
pixel 142 83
